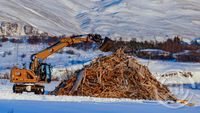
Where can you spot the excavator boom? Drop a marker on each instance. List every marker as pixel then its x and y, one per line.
pixel 105 45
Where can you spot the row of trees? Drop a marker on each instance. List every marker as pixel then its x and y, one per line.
pixel 173 45
pixel 31 39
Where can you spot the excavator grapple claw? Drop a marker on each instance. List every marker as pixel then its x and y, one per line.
pixel 106 45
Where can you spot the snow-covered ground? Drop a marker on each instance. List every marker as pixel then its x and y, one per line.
pixel 146 19
pixel 158 68
pixel 88 107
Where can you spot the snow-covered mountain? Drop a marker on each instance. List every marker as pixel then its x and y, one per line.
pixel 147 19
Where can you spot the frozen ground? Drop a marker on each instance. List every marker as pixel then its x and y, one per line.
pixel 147 19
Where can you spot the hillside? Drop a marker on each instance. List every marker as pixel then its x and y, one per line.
pixel 147 19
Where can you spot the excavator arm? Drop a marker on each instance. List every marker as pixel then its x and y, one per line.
pixel 67 41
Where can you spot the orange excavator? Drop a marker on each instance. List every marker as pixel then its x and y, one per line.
pixel 32 79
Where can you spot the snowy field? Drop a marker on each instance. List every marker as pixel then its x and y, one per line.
pixel 146 19
pixel 88 107
pixel 158 68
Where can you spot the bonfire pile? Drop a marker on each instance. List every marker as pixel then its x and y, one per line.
pixel 115 76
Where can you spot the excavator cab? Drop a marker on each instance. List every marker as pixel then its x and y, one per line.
pixel 44 71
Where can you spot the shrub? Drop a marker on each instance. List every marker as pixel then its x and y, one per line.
pixel 23 56
pixel 9 53
pixel 51 40
pixel 13 40
pixel 34 40
pixel 70 52
pixel 4 39
pixel 4 76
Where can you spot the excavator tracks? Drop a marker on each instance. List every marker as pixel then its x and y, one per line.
pixel 20 88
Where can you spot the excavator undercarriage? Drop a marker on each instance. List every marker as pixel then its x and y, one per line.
pixel 36 88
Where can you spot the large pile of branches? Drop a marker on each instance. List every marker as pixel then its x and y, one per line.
pixel 115 76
